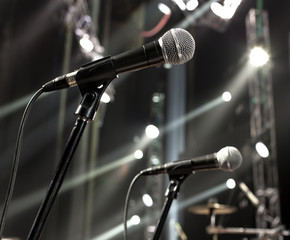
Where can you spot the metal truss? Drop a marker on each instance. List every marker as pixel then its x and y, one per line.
pixel 262 127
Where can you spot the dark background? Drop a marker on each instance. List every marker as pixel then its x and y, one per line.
pixel 32 43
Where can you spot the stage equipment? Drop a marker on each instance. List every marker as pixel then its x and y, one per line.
pixel 228 159
pixel 262 126
pixel 176 46
pixel 212 208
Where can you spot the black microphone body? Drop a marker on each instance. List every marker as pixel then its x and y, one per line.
pixel 184 166
pixel 227 159
pixel 175 46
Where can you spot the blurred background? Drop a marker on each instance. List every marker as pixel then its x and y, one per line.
pixel 219 98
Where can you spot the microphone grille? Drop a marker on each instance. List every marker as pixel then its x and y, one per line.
pixel 177 46
pixel 229 158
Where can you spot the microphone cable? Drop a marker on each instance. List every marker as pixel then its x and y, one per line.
pixel 127 202
pixel 16 158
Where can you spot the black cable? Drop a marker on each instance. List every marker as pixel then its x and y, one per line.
pixel 16 157
pixel 127 203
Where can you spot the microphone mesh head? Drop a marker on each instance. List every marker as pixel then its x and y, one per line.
pixel 177 46
pixel 229 158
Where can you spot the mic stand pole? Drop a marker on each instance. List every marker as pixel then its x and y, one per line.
pixel 94 79
pixel 85 113
pixel 170 194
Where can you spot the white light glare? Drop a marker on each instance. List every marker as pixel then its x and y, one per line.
pixel 86 43
pixel 135 220
pixel 180 4
pixel 191 5
pixel 231 183
pixel 262 150
pixel 138 154
pixel 227 96
pixel 147 200
pixel 258 56
pixel 152 131
pixel 105 98
pixel 164 9
pixel 226 11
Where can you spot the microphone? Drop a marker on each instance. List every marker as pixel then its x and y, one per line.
pixel 227 159
pixel 176 46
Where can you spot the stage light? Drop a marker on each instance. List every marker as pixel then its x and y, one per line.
pixel 156 99
pixel 147 200
pixel 227 10
pixel 135 220
pixel 180 4
pixel 152 131
pixel 138 154
pixel 155 160
pixel 227 96
pixel 105 98
pixel 258 56
pixel 191 5
pixel 231 183
pixel 164 8
pixel 86 43
pixel 262 150
pixel 167 65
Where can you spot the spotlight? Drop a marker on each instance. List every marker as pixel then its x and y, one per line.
pixel 164 8
pixel 105 98
pixel 191 5
pixel 147 200
pixel 180 4
pixel 156 99
pixel 138 154
pixel 167 65
pixel 86 43
pixel 152 131
pixel 227 10
pixel 135 220
pixel 231 183
pixel 262 150
pixel 155 160
pixel 258 56
pixel 227 96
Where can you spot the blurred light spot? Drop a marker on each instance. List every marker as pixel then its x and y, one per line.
pixel 156 99
pixel 258 56
pixel 155 160
pixel 147 200
pixel 167 65
pixel 180 4
pixel 86 43
pixel 262 150
pixel 227 10
pixel 138 154
pixel 135 220
pixel 231 183
pixel 227 96
pixel 105 98
pixel 191 5
pixel 164 8
pixel 152 131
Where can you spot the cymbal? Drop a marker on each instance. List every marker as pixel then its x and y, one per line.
pixel 214 208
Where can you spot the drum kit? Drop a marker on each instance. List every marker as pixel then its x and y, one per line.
pixel 213 209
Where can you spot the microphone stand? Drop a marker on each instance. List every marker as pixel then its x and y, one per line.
pixel 91 96
pixel 170 194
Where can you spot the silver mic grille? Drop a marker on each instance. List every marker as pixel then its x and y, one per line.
pixel 177 46
pixel 229 158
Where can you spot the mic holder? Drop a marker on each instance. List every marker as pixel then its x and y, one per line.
pixel 170 194
pixel 91 96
